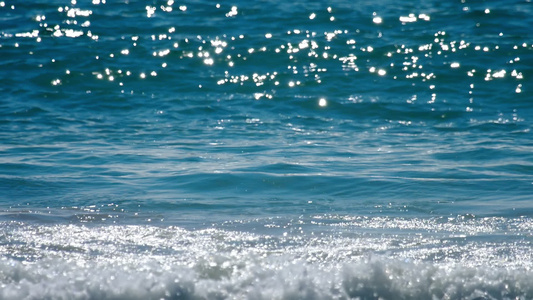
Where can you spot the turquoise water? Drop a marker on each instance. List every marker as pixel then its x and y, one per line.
pixel 266 150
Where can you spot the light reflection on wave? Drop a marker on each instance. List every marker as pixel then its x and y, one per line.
pixel 297 56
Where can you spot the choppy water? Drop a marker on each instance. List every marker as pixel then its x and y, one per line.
pixel 266 150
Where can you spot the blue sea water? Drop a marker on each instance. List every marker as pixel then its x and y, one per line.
pixel 266 149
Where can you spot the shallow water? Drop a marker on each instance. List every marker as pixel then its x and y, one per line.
pixel 259 150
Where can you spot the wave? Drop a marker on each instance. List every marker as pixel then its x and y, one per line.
pixel 281 279
pixel 149 262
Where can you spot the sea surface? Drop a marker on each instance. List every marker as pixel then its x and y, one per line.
pixel 269 149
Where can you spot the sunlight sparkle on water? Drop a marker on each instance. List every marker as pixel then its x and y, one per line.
pixel 302 57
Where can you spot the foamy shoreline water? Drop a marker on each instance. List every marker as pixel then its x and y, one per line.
pixel 147 262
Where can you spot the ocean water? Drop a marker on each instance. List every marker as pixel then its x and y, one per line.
pixel 266 149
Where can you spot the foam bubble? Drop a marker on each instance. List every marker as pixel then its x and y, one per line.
pixel 254 279
pixel 149 262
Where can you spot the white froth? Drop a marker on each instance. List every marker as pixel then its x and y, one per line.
pixel 147 262
pixel 254 279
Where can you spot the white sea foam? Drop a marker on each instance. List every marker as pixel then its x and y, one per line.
pixel 147 262
pixel 255 278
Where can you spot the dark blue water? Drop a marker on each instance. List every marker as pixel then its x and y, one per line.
pixel 264 149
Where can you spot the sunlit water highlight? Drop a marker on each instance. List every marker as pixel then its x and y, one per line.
pixel 266 150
